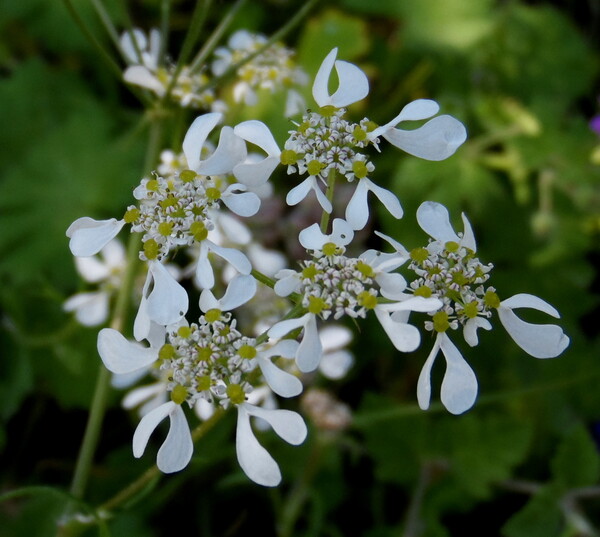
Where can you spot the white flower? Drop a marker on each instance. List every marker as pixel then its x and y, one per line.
pixel 230 150
pixel 89 236
pixel 254 459
pixel 164 305
pixel 312 238
pixel 91 308
pixel 139 50
pixel 540 341
pixel 177 449
pixel 459 386
pixel 336 360
pixel 239 291
pixel 310 350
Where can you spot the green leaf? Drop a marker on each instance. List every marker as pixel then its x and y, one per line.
pixel 576 463
pixel 541 517
pixel 331 29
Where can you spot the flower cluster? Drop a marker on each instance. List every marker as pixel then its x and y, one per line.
pixel 192 203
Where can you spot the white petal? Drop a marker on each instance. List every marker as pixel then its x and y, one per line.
pixel 257 133
pixel 525 300
pixel 92 269
pixel 141 394
pixel 288 425
pixel 139 75
pixel 353 87
pixel 538 340
pixel 335 365
pixel 470 329
pixel 254 459
pixel 434 219
pixel 319 89
pixel 204 409
pixel 415 303
pixel 424 382
pixel 310 349
pixel 239 291
pixel 168 301
pixel 254 174
pixel 283 328
pixel 230 151
pixel 405 337
pixel 468 238
pixel 204 272
pixel 197 135
pixel 395 244
pixel 91 309
pixel 242 203
pixel 268 262
pixel 208 301
pixel 341 232
pixel 121 355
pixel 236 231
pixel 357 211
pixel 299 192
pixel 294 103
pixel 288 285
pixel 147 425
pixel 392 285
pixel 142 322
pixel 335 336
pixel 459 387
pixel 438 139
pixel 417 110
pixel 321 197
pixel 281 382
pixel 89 236
pixel 285 348
pixel 236 258
pixel 177 449
pixel 312 238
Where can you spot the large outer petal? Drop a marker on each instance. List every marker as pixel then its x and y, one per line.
pixel 233 256
pixel 438 139
pixel 239 202
pixel 525 300
pixel 168 301
pixel 424 382
pixel 121 355
pixel 310 349
pixel 405 337
pixel 89 236
pixel 142 76
pixel 319 89
pixel 538 340
pixel 434 220
pixel 281 382
pixel 239 291
pixel 287 424
pixel 177 449
pixel 147 425
pixel 230 151
pixel 459 387
pixel 353 86
pixel 257 133
pixel 357 210
pixel 91 309
pixel 196 136
pixel 254 459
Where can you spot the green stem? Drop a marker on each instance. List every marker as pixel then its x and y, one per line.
pixel 329 194
pixel 153 472
pixel 277 36
pixel 104 54
pixel 196 25
pixel 107 22
pixel 293 313
pixel 98 406
pixel 214 38
pixel 263 278
pixel 165 13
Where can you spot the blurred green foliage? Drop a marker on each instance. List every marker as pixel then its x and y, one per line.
pixel 523 77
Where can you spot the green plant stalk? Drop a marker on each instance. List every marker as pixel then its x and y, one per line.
pixel 165 14
pixel 278 35
pixel 98 405
pixel 107 22
pixel 329 194
pixel 214 38
pixel 197 23
pixel 104 54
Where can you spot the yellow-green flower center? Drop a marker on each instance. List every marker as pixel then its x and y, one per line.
pixel 179 394
pixel 440 321
pixel 236 394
